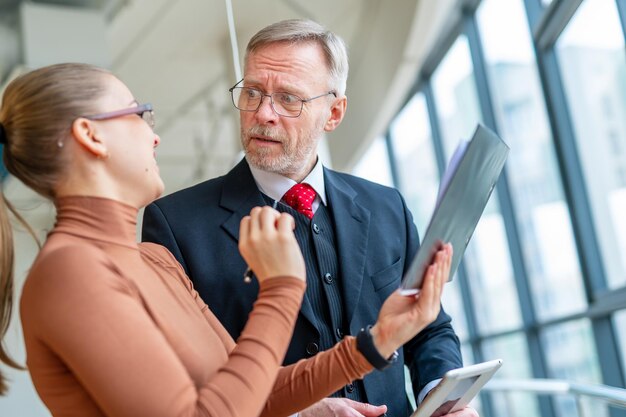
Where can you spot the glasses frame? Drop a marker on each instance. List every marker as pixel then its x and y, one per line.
pixel 138 110
pixel 263 95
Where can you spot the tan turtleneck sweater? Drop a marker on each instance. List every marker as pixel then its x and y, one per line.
pixel 115 328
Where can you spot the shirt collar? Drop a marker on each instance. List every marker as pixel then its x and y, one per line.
pixel 275 185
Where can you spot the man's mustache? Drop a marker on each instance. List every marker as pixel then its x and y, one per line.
pixel 269 132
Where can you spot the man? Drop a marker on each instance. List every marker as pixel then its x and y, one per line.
pixel 357 237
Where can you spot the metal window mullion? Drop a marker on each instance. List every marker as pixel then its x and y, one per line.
pixel 621 11
pixel 507 210
pixel 575 188
pixel 539 366
pixel 609 354
pixel 552 21
pixel 393 162
pixel 534 12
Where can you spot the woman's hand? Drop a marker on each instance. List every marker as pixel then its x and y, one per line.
pixel 268 245
pixel 402 317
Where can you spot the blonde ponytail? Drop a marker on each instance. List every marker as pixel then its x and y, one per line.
pixel 7 258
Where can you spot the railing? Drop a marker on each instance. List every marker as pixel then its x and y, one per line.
pixel 555 387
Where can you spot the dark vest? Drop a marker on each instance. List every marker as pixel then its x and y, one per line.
pixel 316 238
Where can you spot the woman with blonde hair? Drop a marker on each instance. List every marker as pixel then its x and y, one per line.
pixel 115 328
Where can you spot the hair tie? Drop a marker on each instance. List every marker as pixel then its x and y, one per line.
pixel 3 135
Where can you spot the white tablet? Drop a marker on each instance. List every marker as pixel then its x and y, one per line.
pixel 456 389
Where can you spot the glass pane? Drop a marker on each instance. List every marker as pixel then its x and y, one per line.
pixel 579 364
pixel 467 355
pixel 374 165
pixel 415 159
pixel 513 350
pixel 453 305
pixel 593 64
pixel 487 259
pixel 455 94
pixel 543 219
pixel 412 144
pixel 619 324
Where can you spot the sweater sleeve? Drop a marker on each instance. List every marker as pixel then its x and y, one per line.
pixel 310 380
pixel 82 309
pixel 303 383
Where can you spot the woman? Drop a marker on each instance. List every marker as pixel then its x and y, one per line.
pixel 115 328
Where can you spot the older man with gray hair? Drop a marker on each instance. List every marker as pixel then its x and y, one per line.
pixel 357 237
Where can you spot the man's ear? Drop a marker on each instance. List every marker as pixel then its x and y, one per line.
pixel 337 111
pixel 84 132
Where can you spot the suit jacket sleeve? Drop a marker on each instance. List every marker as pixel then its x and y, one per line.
pixel 436 349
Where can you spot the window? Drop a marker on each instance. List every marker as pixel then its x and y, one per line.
pixel 374 165
pixel 541 211
pixel 487 259
pixel 592 61
pixel 412 144
pixel 415 158
pixel 579 364
pixel 512 349
pixel 619 324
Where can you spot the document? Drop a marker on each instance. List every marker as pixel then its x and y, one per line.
pixel 464 190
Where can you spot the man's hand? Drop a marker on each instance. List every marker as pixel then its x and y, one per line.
pixel 343 407
pixel 402 317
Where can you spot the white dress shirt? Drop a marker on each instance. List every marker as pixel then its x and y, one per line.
pixel 275 185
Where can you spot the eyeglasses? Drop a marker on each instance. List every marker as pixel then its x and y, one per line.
pixel 144 111
pixel 284 104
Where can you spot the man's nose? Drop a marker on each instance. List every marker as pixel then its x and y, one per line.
pixel 265 113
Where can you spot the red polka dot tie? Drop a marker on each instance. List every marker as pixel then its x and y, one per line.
pixel 300 197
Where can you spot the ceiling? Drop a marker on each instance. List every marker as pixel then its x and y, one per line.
pixel 177 55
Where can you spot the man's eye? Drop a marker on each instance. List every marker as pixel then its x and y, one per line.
pixel 287 99
pixel 252 93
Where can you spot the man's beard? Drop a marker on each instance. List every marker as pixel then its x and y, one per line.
pixel 292 158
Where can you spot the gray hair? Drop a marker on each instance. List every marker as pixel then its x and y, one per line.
pixel 301 31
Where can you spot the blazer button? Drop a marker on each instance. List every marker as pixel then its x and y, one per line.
pixel 316 229
pixel 350 387
pixel 312 348
pixel 328 278
pixel 339 333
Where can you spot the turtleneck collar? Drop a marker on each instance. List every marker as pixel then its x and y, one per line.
pixel 97 218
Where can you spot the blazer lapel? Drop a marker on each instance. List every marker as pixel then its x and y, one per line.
pixel 240 194
pixel 351 232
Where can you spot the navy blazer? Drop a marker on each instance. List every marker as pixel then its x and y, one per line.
pixel 376 239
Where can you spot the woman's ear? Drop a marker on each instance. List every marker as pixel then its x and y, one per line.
pixel 84 132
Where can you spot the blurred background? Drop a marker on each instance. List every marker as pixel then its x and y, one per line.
pixel 543 282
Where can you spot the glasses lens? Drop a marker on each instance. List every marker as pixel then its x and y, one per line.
pixel 148 116
pixel 287 104
pixel 247 99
